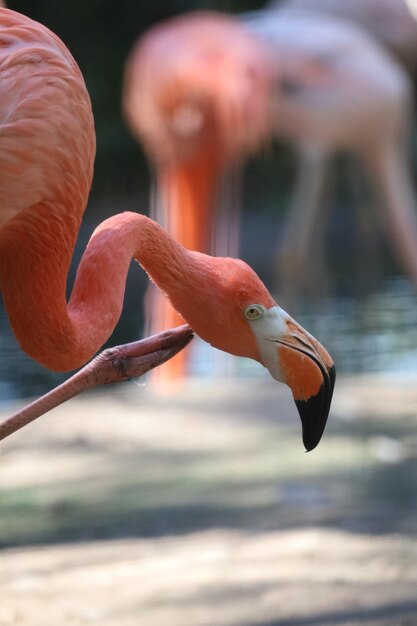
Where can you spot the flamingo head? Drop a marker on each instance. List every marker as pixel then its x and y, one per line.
pixel 198 83
pixel 295 357
pixel 233 311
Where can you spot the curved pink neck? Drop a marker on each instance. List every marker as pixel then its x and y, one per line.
pixel 33 278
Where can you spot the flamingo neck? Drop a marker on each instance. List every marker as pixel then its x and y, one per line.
pixel 189 195
pixel 34 268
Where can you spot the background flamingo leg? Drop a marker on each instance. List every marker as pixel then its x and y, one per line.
pixel 300 257
pixel 389 172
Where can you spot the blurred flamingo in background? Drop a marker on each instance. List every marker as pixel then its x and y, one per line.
pixel 197 95
pixel 46 156
pixel 389 21
pixel 338 91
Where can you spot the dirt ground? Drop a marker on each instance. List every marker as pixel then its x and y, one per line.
pixel 124 509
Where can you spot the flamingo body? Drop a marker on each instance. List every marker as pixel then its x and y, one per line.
pixel 390 22
pixel 41 81
pixel 336 85
pixel 340 91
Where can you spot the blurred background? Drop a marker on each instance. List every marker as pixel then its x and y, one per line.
pixel 202 508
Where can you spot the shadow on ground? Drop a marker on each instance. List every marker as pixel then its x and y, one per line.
pixel 149 468
pixel 400 612
pixel 204 509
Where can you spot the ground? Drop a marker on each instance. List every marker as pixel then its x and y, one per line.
pixel 122 508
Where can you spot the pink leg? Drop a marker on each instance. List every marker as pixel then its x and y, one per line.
pixel 114 365
pixel 389 170
pixel 300 254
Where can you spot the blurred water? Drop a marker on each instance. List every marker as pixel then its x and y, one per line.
pixel 372 333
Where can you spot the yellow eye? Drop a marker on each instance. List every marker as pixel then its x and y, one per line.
pixel 254 312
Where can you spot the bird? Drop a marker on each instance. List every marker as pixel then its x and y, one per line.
pixel 338 91
pixel 46 157
pixel 196 95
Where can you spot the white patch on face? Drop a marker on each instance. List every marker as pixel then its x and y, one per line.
pixel 267 329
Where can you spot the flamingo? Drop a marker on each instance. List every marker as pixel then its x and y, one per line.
pixel 46 156
pixel 196 95
pixel 338 91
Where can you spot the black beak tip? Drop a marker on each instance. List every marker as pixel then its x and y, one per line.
pixel 313 423
pixel 314 411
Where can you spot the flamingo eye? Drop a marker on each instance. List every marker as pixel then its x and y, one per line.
pixel 254 312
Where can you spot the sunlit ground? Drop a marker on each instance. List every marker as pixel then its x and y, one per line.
pixel 204 510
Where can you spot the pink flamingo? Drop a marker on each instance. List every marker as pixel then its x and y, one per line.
pixel 339 91
pixel 46 157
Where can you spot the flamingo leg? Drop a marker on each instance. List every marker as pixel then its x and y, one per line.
pixel 300 256
pixel 389 171
pixel 114 365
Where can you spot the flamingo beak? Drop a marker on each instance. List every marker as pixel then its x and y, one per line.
pixel 296 358
pixel 309 371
